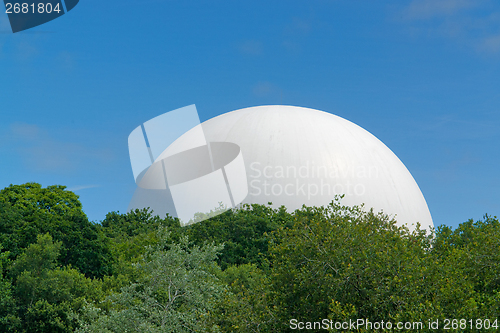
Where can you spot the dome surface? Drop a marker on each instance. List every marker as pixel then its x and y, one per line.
pixel 295 156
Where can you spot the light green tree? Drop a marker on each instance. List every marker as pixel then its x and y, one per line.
pixel 45 293
pixel 177 291
pixel 245 307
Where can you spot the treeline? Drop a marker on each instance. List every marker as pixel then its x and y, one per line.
pixel 248 270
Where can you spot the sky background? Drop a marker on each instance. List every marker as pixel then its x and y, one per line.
pixel 423 76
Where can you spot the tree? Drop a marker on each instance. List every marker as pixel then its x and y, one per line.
pixel 474 249
pixel 245 306
pixel 176 292
pixel 45 293
pixel 344 263
pixel 29 210
pixel 9 321
pixel 243 231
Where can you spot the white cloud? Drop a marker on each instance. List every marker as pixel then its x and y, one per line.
pixel 490 44
pixel 266 89
pixel 66 60
pixel 40 151
pixel 453 127
pixel 298 26
pixel 25 131
pixel 251 47
pixel 470 24
pixel 424 9
pixel 81 187
pixel 27 50
pixel 296 32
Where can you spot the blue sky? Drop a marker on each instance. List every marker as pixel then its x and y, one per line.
pixel 423 76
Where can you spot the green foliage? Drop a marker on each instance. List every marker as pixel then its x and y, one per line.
pixel 245 306
pixel 45 293
pixel 8 315
pixel 129 235
pixel 343 263
pixel 138 222
pixel 29 210
pixel 476 244
pixel 32 199
pixel 246 270
pixel 38 257
pixel 177 291
pixel 472 253
pixel 44 317
pixel 244 233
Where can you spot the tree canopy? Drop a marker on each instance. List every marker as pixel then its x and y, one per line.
pixel 251 269
pixel 29 210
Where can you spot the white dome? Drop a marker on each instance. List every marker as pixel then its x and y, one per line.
pixel 295 156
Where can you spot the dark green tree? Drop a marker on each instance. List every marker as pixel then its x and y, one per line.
pixel 9 321
pixel 29 210
pixel 244 233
